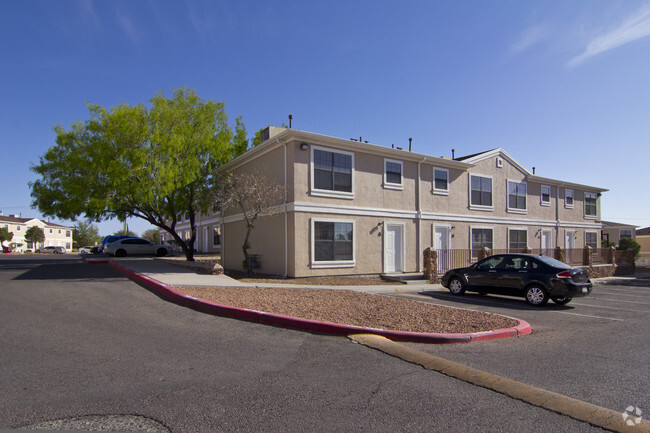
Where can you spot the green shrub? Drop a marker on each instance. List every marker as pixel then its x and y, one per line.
pixel 629 244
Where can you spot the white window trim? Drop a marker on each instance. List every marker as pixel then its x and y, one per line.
pixel 541 196
pixel 573 198
pixel 590 217
pixel 325 192
pixel 437 190
pixel 520 229
pixel 511 209
pixel 479 206
pixel 333 263
pixel 591 231
pixel 391 185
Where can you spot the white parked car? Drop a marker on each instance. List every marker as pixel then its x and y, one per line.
pixel 135 246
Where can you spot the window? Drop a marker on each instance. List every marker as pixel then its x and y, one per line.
pixel 392 174
pixel 546 195
pixel 332 171
pixel 517 240
pixel 216 238
pixel 480 191
pixel 517 196
pixel 591 207
pixel 50 230
pixel 333 242
pixel 568 198
pixel 481 238
pixel 591 239
pixel 441 180
pixel 67 233
pixel 625 233
pixel 18 229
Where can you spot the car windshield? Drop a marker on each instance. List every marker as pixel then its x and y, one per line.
pixel 552 262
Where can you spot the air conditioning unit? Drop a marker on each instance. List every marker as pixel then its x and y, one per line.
pixel 499 162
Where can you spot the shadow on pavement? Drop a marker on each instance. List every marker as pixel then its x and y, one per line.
pixel 59 270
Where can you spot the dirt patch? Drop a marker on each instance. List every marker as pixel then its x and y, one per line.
pixel 354 308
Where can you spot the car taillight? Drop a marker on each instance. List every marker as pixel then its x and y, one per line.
pixel 565 274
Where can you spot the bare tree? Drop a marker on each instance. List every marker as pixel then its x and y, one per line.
pixel 255 196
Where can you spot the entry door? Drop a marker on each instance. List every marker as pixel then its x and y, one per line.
pixel 441 244
pixel 570 240
pixel 205 240
pixel 393 249
pixel 546 242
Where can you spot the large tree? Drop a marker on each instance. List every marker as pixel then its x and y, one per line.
pixel 152 163
pixel 5 234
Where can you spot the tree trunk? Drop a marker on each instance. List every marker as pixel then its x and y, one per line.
pixel 245 250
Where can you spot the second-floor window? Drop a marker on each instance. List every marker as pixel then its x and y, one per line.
pixel 517 196
pixel 392 173
pixel 480 191
pixel 568 198
pixel 591 208
pixel 332 171
pixel 440 180
pixel 546 195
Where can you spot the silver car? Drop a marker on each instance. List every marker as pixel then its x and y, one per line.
pixel 51 250
pixel 135 246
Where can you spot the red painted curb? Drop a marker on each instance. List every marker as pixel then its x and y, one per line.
pixel 314 325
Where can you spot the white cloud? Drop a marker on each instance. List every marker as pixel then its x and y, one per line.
pixel 528 38
pixel 635 27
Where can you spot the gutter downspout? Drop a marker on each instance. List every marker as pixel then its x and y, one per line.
pixel 418 240
pixel 557 215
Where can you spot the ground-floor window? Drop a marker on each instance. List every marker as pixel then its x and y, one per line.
pixel 591 239
pixel 333 241
pixel 517 239
pixel 481 238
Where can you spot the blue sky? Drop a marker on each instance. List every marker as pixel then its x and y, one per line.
pixel 563 86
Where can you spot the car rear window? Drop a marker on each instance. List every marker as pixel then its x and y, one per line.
pixel 552 262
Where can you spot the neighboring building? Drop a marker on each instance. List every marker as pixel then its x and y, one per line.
pixel 614 232
pixel 357 208
pixel 643 238
pixel 55 234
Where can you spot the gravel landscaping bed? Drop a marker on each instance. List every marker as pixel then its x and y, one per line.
pixel 354 308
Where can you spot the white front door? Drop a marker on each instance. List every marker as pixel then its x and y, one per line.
pixel 393 249
pixel 570 240
pixel 546 242
pixel 441 245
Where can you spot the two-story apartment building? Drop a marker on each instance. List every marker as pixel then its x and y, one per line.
pixel 55 234
pixel 357 208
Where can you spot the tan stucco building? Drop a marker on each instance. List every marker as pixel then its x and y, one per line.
pixel 55 234
pixel 357 208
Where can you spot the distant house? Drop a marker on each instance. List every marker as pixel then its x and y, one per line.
pixel 614 232
pixel 357 208
pixel 55 234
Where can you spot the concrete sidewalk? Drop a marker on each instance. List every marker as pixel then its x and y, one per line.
pixel 177 276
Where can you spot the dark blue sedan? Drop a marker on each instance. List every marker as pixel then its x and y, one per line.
pixel 536 278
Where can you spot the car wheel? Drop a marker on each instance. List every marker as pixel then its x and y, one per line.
pixel 456 286
pixel 161 252
pixel 562 300
pixel 120 253
pixel 536 295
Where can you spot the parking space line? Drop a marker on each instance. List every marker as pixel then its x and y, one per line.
pixel 588 315
pixel 611 308
pixel 618 300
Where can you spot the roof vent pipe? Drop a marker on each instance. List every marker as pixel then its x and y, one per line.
pixel 533 170
pixel 410 141
pixel 453 153
pixel 290 119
